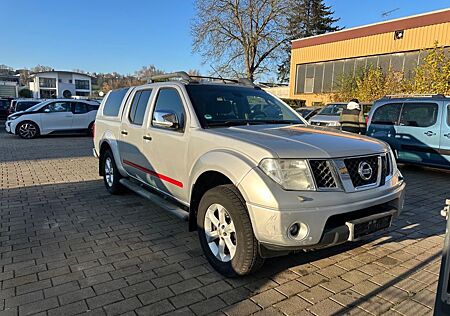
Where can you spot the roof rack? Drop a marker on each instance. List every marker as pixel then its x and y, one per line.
pixel 184 76
pixel 405 96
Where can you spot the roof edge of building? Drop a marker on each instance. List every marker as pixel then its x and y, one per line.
pixel 413 21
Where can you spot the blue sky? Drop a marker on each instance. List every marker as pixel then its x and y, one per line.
pixel 122 36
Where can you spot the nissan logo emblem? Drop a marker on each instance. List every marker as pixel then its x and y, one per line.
pixel 365 170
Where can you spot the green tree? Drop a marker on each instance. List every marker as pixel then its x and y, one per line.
pixel 25 93
pixel 307 18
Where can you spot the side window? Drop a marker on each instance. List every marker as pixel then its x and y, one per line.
pixel 138 106
pixel 58 107
pixel 79 108
pixel 448 115
pixel 112 104
pixel 92 107
pixel 419 114
pixel 387 114
pixel 169 100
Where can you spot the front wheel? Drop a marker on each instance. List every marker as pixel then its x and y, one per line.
pixel 111 175
pixel 28 130
pixel 226 234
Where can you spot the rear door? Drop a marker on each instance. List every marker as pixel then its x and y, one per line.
pixel 80 115
pixel 445 136
pixel 383 122
pixel 56 116
pixel 418 132
pixel 132 132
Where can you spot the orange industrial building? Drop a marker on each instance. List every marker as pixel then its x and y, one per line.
pixel 318 61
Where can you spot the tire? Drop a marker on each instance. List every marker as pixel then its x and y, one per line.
pixel 111 175
pixel 90 131
pixel 27 130
pixel 244 259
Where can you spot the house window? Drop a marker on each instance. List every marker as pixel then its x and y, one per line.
pixel 82 84
pixel 47 82
pixel 81 93
pixel 48 94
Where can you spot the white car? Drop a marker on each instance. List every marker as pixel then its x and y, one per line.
pixel 53 116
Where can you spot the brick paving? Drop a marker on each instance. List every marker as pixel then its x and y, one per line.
pixel 68 247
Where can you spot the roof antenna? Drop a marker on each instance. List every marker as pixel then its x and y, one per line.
pixel 218 74
pixel 387 13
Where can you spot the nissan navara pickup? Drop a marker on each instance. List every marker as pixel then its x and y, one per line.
pixel 255 179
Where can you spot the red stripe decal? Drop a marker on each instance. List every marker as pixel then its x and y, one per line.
pixel 155 174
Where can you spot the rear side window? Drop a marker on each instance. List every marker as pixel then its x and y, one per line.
pixel 79 108
pixel 448 115
pixel 112 104
pixel 387 114
pixel 138 106
pixel 92 107
pixel 419 114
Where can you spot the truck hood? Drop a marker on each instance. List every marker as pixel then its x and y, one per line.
pixel 299 141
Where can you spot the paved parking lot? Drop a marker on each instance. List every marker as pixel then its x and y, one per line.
pixel 68 247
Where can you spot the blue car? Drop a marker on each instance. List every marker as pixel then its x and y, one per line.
pixel 416 127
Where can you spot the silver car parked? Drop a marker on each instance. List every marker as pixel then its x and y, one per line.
pixel 254 179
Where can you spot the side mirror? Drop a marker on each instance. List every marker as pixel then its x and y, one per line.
pixel 47 110
pixel 165 119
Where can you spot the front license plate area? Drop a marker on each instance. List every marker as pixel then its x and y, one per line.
pixel 366 226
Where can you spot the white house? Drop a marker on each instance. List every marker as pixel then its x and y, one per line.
pixel 60 84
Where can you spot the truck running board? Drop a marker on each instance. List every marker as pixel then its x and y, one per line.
pixel 166 205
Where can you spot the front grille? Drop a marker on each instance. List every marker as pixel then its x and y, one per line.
pixel 353 165
pixel 322 174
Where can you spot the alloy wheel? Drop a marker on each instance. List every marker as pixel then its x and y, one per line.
pixel 27 130
pixel 109 172
pixel 220 232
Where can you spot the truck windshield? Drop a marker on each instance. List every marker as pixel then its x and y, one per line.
pixel 221 105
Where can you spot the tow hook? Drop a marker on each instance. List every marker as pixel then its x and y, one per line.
pixel 446 210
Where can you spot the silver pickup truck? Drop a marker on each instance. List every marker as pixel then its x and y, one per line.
pixel 254 179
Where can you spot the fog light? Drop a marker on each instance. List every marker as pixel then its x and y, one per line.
pixel 294 229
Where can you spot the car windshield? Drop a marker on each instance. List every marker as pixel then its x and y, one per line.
pixel 332 109
pixel 34 107
pixel 221 105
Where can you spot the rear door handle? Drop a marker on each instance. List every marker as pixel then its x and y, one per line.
pixel 147 137
pixel 447 135
pixel 430 133
pixel 124 132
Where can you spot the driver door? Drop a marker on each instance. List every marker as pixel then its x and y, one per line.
pixel 56 116
pixel 164 146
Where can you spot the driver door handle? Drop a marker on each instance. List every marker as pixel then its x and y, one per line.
pixel 124 132
pixel 447 135
pixel 147 137
pixel 430 133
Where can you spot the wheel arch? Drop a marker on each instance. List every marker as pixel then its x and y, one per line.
pixel 28 121
pixel 213 169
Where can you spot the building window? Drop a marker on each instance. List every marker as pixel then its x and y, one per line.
pixel 47 94
pixel 47 82
pixel 82 84
pixel 324 77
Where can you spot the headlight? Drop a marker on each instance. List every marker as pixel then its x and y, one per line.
pixel 291 174
pixel 12 118
pixel 334 123
pixel 393 161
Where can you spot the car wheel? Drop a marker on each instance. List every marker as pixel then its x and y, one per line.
pixel 226 234
pixel 27 130
pixel 91 129
pixel 111 175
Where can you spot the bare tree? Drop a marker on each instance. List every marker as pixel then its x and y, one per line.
pixel 41 68
pixel 241 37
pixel 148 71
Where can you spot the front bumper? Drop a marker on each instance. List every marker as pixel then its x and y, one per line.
pixel 322 215
pixel 8 128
